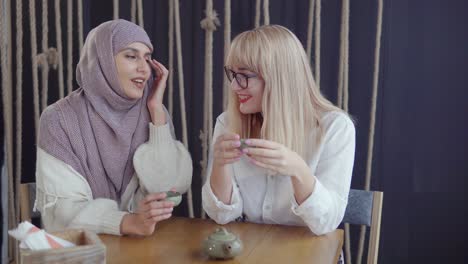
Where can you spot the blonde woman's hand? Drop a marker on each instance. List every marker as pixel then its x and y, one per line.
pixel 226 149
pixel 151 210
pixel 156 96
pixel 275 157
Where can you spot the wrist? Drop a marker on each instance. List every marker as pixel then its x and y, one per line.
pixel 301 172
pixel 127 224
pixel 158 115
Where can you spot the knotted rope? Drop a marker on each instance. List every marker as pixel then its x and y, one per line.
pixel 209 24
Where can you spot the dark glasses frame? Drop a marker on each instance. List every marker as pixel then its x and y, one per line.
pixel 237 75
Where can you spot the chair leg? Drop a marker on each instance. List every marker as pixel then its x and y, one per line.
pixel 374 237
pixel 25 206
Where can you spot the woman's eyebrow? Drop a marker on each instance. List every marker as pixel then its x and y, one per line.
pixel 137 51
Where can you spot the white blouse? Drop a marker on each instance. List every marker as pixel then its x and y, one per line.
pixel 262 198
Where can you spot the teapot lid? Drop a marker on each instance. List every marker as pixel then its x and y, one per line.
pixel 221 234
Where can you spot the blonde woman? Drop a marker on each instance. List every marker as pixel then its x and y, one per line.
pixel 281 153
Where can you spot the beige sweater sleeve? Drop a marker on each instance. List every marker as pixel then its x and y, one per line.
pixel 64 196
pixel 65 200
pixel 163 163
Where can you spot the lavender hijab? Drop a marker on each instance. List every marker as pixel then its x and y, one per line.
pixel 97 128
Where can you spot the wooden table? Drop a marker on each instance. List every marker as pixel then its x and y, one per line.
pixel 179 240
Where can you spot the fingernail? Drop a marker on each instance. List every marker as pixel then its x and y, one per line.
pixel 248 141
pixel 237 144
pixel 245 150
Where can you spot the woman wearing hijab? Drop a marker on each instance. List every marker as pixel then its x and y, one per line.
pixel 107 153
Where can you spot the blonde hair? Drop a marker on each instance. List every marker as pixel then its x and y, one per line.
pixel 291 105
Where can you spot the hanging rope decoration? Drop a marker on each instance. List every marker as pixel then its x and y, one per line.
pixel 344 57
pixel 34 65
pixel 257 13
pixel 115 5
pixel 133 11
pixel 70 46
pixel 209 24
pixel 42 59
pixel 318 8
pixel 80 24
pixel 343 91
pixel 227 44
pixel 370 149
pixel 310 28
pixel 19 101
pixel 180 68
pixel 170 81
pixel 5 59
pixel 140 13
pixel 266 12
pixel 58 30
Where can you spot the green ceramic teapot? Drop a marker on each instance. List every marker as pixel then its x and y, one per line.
pixel 222 244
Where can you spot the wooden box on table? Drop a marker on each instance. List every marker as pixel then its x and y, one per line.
pixel 88 249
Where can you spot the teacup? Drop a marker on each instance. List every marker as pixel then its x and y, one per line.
pixel 174 197
pixel 243 144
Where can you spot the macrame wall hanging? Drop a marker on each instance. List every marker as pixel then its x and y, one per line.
pixel 51 58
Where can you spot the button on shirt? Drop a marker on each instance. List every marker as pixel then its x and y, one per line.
pixel 265 198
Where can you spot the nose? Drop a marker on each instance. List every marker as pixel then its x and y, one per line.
pixel 142 66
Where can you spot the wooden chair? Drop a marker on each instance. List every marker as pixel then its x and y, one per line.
pixel 28 196
pixel 365 208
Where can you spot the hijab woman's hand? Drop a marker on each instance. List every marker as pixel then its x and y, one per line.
pixel 151 210
pixel 156 96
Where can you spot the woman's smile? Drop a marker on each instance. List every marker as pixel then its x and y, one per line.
pixel 244 98
pixel 139 82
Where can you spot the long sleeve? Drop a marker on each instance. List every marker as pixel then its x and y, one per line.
pixel 65 200
pixel 163 162
pixel 324 209
pixel 216 209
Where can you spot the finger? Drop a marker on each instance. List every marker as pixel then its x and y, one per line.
pixel 231 136
pixel 274 162
pixel 160 204
pixel 227 136
pixel 154 197
pixel 262 164
pixel 160 65
pixel 157 212
pixel 229 161
pixel 230 145
pixel 262 152
pixel 163 69
pixel 161 217
pixel 228 154
pixel 262 143
pixel 155 67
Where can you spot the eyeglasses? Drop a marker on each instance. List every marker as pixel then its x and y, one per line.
pixel 241 78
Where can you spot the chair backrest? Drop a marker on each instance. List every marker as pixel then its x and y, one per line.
pixel 28 196
pixel 365 208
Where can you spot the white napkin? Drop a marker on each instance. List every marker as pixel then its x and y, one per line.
pixel 36 239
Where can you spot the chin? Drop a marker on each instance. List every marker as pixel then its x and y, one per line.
pixel 135 94
pixel 247 111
